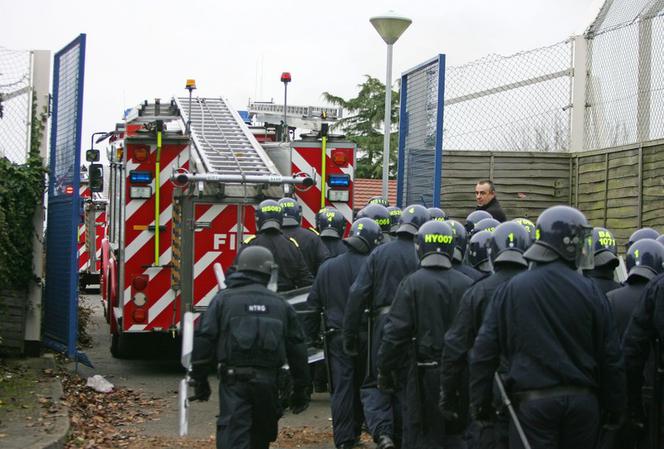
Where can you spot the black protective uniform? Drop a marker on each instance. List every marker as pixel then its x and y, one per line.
pixel 310 244
pixel 459 341
pixel 556 332
pixel 293 271
pixel 334 246
pixel 469 271
pixel 329 295
pixel 250 332
pixel 423 309
pixel 374 289
pixel 603 278
pixel 495 209
pixel 624 300
pixel 646 326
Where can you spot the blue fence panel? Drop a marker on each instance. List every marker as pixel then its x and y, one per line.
pixel 61 296
pixel 421 134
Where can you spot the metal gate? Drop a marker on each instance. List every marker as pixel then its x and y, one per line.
pixel 64 204
pixel 421 134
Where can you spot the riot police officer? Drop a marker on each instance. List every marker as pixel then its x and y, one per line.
pixel 379 200
pixel 423 309
pixel 331 225
pixel 475 217
pixel 478 252
pixel 327 300
pixel 529 225
pixel 644 340
pixel 560 369
pixel 250 332
pixel 380 215
pixel 293 271
pixel 437 213
pixel 395 214
pixel 606 260
pixel 374 289
pixel 639 234
pixel 508 244
pixel 644 261
pixel 460 243
pixel 312 247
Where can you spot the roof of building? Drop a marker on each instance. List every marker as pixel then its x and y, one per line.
pixel 364 189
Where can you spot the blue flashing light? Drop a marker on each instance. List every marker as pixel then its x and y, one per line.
pixel 140 177
pixel 339 181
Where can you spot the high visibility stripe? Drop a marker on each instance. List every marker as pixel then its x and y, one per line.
pixel 145 236
pixel 212 213
pixel 205 262
pixel 151 272
pixel 205 300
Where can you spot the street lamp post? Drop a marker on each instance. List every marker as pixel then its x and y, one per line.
pixel 390 26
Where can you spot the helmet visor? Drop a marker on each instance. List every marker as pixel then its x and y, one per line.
pixel 585 258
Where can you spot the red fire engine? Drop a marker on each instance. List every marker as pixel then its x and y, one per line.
pixel 91 231
pixel 184 177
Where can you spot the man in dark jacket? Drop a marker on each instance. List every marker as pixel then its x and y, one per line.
pixel 374 289
pixel 331 225
pixel 606 260
pixel 327 300
pixel 485 195
pixel 554 329
pixel 423 309
pixel 510 240
pixel 249 332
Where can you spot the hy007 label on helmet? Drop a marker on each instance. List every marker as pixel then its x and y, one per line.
pixel 256 308
pixel 271 209
pixel 438 238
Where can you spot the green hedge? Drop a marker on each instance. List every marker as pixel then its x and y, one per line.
pixel 21 192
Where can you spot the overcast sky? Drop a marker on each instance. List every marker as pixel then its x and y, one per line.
pixel 141 49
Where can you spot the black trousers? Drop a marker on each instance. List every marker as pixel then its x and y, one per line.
pixel 562 422
pixel 248 414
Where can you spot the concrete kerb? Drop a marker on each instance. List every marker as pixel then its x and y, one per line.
pixel 57 438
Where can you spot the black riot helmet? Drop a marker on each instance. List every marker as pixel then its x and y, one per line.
pixel 510 241
pixel 479 253
pixel 474 217
pixel 395 214
pixel 292 212
pixel 258 259
pixel 460 239
pixel 529 225
pixel 269 214
pixel 562 232
pixel 318 215
pixel 364 236
pixel 378 200
pixel 437 214
pixel 645 258
pixel 412 217
pixel 660 239
pixel 604 249
pixel 377 213
pixel 643 233
pixel 435 244
pixel 331 223
pixel 485 224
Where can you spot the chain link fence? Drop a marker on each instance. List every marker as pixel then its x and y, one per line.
pixel 518 102
pixel 15 104
pixel 527 101
pixel 625 65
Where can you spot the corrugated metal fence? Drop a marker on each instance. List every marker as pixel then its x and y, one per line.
pixel 620 188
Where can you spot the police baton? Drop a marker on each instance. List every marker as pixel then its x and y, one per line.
pixel 183 390
pixel 510 408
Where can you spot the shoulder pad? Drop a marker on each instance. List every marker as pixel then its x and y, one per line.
pixel 249 239
pixel 314 231
pixel 294 242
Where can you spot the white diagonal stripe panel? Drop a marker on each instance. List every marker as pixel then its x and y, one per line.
pixel 212 213
pixel 205 301
pixel 161 304
pixel 134 205
pixel 151 272
pixel 146 235
pixel 345 210
pixel 205 262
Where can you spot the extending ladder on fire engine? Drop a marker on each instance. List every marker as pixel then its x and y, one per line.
pixel 222 140
pixel 301 117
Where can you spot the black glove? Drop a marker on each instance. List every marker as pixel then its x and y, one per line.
pixel 351 346
pixel 299 400
pixel 386 382
pixel 483 412
pixel 449 406
pixel 201 389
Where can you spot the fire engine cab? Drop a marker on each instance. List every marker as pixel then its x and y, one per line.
pixel 185 176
